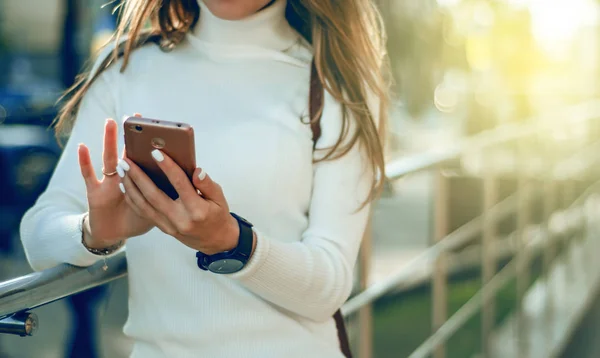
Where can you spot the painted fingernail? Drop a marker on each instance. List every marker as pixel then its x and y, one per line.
pixel 123 164
pixel 202 174
pixel 157 155
pixel 120 171
pixel 122 187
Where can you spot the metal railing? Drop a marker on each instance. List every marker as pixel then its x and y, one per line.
pixel 578 154
pixel 23 294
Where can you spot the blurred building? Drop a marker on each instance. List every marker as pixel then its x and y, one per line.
pixel 31 25
pixel 44 45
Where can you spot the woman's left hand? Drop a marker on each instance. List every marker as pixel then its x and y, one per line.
pixel 201 222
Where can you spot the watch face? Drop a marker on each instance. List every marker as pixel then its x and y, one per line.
pixel 226 266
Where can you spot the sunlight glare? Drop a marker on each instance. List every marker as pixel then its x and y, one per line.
pixel 557 21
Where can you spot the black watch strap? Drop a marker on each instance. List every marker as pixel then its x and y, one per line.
pixel 234 260
pixel 246 236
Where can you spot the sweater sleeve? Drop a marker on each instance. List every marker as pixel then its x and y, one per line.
pixel 313 277
pixel 51 230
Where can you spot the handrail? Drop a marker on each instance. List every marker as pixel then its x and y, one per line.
pixel 471 307
pixel 453 240
pixel 429 159
pixel 465 312
pixel 40 288
pixel 36 289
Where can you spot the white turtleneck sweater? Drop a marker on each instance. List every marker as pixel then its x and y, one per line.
pixel 244 87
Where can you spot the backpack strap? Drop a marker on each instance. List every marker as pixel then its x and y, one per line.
pixel 315 107
pixel 342 334
pixel 315 103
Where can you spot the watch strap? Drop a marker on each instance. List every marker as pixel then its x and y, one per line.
pixel 246 238
pixel 240 253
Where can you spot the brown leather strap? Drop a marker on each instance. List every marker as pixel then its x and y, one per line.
pixel 315 104
pixel 315 107
pixel 342 334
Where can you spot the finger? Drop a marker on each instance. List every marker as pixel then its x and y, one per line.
pixel 141 207
pixel 177 177
pixel 138 201
pixel 209 189
pixel 122 167
pixel 110 152
pixel 87 169
pixel 139 115
pixel 165 226
pixel 149 191
pixel 134 207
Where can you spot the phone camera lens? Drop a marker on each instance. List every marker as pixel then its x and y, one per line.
pixel 138 128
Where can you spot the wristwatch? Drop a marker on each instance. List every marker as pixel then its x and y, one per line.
pixel 233 260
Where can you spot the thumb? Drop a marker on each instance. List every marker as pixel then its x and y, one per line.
pixel 208 188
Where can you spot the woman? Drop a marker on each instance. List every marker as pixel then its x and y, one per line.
pixel 238 71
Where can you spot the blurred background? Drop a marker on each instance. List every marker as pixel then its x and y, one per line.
pixel 494 102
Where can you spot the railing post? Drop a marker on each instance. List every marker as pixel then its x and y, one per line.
pixel 569 236
pixel 440 271
pixel 488 257
pixel 365 314
pixel 548 255
pixel 522 254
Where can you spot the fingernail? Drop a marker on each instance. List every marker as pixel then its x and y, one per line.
pixel 120 171
pixel 122 187
pixel 157 155
pixel 202 174
pixel 123 164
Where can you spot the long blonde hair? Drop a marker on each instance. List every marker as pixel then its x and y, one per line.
pixel 349 47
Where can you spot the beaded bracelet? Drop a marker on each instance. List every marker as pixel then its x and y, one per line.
pixel 100 252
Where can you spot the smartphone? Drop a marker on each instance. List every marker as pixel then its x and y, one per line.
pixel 176 139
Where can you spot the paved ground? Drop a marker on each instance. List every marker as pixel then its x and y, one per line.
pixel 555 307
pixel 586 340
pixel 551 312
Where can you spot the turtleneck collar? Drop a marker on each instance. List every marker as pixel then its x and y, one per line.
pixel 267 29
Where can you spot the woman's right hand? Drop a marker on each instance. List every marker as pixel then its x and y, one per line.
pixel 110 218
